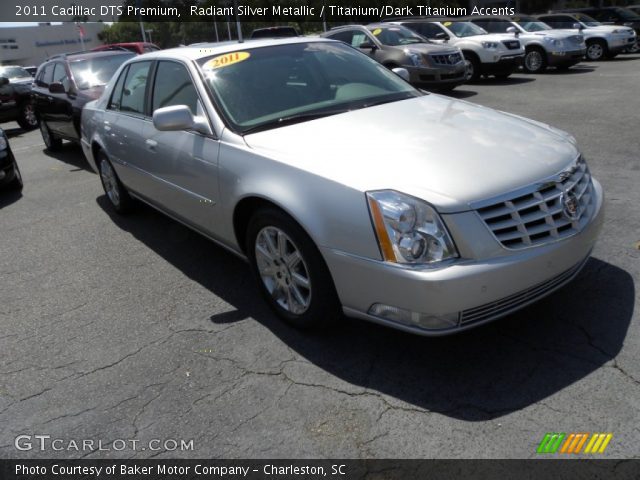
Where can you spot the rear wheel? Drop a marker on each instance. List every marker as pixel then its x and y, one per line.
pixel 27 119
pixel 290 271
pixel 596 50
pixel 535 61
pixel 118 196
pixel 52 142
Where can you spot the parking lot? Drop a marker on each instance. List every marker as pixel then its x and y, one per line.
pixel 137 328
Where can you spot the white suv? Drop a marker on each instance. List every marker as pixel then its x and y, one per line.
pixel 499 55
pixel 603 41
pixel 544 47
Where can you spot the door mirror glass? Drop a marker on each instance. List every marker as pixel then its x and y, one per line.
pixel 402 73
pixel 179 117
pixel 442 36
pixel 56 88
pixel 367 44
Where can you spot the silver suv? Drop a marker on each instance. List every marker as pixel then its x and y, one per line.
pixel 345 188
pixel 430 65
pixel 544 47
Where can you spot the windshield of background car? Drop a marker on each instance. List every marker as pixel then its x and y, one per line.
pixel 268 87
pixel 464 29
pixel 97 71
pixel 532 25
pixel 587 20
pixel 627 14
pixel 14 72
pixel 396 35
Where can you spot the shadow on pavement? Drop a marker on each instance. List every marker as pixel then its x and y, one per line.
pixel 481 374
pixel 7 197
pixel 71 154
pixel 503 81
pixel 570 71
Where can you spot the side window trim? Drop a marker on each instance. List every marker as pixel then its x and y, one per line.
pixel 123 76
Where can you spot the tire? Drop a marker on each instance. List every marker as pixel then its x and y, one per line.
pixel 473 67
pixel 290 271
pixel 596 50
pixel 635 48
pixel 117 195
pixel 27 119
pixel 16 184
pixel 535 61
pixel 52 142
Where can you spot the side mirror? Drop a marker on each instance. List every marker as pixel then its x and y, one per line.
pixel 368 44
pixel 4 81
pixel 442 36
pixel 179 117
pixel 513 30
pixel 402 73
pixel 577 26
pixel 56 87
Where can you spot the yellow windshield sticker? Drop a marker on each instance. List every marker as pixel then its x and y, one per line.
pixel 226 60
pixel 377 31
pixel 447 24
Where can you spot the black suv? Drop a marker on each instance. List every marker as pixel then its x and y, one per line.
pixel 15 97
pixel 613 16
pixel 64 84
pixel 10 177
pixel 274 32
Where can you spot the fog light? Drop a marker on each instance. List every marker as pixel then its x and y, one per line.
pixel 414 319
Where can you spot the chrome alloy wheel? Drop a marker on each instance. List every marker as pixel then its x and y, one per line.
pixel 29 115
pixel 283 271
pixel 110 182
pixel 469 70
pixel 595 51
pixel 533 61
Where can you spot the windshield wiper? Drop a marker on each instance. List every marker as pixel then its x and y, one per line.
pixel 292 119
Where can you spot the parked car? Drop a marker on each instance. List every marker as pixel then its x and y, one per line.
pixel 15 97
pixel 603 41
pixel 64 84
pixel 345 188
pixel 135 47
pixel 543 46
pixel 430 65
pixel 498 55
pixel 274 32
pixel 10 177
pixel 612 16
pixel 32 70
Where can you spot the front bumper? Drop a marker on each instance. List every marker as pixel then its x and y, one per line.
pixel 619 44
pixel 473 291
pixel 506 65
pixel 441 76
pixel 555 59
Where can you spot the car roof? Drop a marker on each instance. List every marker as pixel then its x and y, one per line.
pixel 76 56
pixel 203 50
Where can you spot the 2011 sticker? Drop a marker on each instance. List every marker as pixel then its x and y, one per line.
pixel 226 60
pixel 377 31
pixel 447 24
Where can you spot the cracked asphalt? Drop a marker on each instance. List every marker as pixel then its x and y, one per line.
pixel 137 328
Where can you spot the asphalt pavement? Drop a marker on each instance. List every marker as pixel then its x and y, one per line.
pixel 136 328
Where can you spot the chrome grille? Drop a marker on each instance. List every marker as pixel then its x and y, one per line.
pixel 447 59
pixel 555 209
pixel 576 39
pixel 513 302
pixel 511 44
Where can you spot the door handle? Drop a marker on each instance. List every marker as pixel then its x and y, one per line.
pixel 151 144
pixel 107 126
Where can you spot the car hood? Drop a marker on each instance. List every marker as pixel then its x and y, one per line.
pixel 448 152
pixel 22 81
pixel 559 34
pixel 607 29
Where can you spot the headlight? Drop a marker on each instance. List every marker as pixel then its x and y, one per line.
pixel 492 45
pixel 409 230
pixel 3 143
pixel 415 57
pixel 617 31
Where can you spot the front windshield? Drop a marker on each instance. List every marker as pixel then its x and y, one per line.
pixel 464 29
pixel 97 71
pixel 268 87
pixel 396 35
pixel 14 72
pixel 531 24
pixel 587 20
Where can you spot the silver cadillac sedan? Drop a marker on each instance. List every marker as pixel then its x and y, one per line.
pixel 345 188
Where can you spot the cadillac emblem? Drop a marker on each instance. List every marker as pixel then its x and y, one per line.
pixel 570 206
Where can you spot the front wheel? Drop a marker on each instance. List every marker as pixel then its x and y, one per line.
pixel 27 118
pixel 596 50
pixel 535 61
pixel 52 142
pixel 118 196
pixel 290 271
pixel 472 65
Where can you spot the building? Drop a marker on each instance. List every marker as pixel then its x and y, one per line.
pixel 31 45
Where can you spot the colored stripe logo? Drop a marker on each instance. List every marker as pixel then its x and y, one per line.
pixel 574 443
